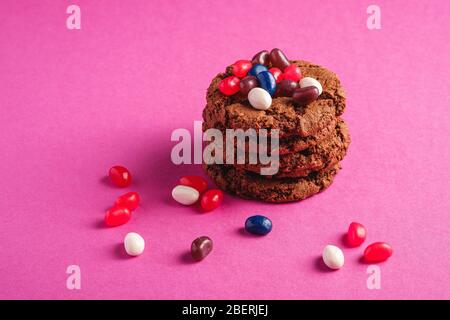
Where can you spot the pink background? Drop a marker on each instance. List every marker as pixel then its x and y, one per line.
pixel 75 102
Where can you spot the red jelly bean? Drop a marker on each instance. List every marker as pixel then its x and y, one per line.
pixel 129 200
pixel 117 216
pixel 377 252
pixel 276 74
pixel 356 234
pixel 229 85
pixel 292 72
pixel 241 67
pixel 211 199
pixel 196 182
pixel 120 176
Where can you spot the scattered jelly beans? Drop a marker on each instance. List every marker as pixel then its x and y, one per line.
pixel 278 59
pixel 261 57
pixel 211 199
pixel 356 234
pixel 120 176
pixel 201 247
pixel 185 195
pixel 267 82
pixel 292 72
pixel 303 96
pixel 258 224
pixel 333 257
pixel 241 67
pixel 257 68
pixel 308 82
pixel 117 216
pixel 129 200
pixel 276 74
pixel 377 252
pixel 134 244
pixel 247 84
pixel 196 182
pixel 259 99
pixel 229 85
pixel 286 88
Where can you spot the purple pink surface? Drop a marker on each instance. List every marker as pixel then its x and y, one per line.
pixel 75 102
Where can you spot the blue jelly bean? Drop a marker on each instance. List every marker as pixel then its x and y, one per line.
pixel 258 225
pixel 257 68
pixel 267 82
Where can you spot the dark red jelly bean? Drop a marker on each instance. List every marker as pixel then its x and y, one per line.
pixel 303 96
pixel 117 216
pixel 286 88
pixel 292 72
pixel 129 200
pixel 278 59
pixel 276 74
pixel 377 252
pixel 356 234
pixel 120 176
pixel 247 84
pixel 201 247
pixel 261 57
pixel 229 85
pixel 211 199
pixel 196 182
pixel 241 67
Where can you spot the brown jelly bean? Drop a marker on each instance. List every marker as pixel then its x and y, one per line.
pixel 201 247
pixel 247 84
pixel 278 59
pixel 286 88
pixel 303 96
pixel 261 57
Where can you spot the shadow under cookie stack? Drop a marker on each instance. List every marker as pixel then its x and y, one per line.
pixel 303 101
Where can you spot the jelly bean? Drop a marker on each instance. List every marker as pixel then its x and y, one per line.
pixel 261 57
pixel 258 225
pixel 333 257
pixel 278 59
pixel 257 68
pixel 267 82
pixel 134 244
pixel 308 82
pixel 303 96
pixel 276 74
pixel 201 247
pixel 259 99
pixel 117 216
pixel 292 72
pixel 377 252
pixel 211 199
pixel 247 84
pixel 241 67
pixel 185 195
pixel 356 234
pixel 196 182
pixel 229 85
pixel 129 200
pixel 286 88
pixel 120 176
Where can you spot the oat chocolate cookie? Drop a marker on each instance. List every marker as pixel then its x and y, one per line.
pixel 235 111
pixel 253 186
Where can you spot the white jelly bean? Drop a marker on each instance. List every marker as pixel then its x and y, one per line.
pixel 333 257
pixel 185 195
pixel 259 99
pixel 308 82
pixel 134 244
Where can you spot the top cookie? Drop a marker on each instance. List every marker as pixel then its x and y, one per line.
pixel 235 112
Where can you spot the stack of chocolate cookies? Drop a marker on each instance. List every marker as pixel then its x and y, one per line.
pixel 313 139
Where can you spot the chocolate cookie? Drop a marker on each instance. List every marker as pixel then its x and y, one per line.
pixel 235 111
pixel 253 186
